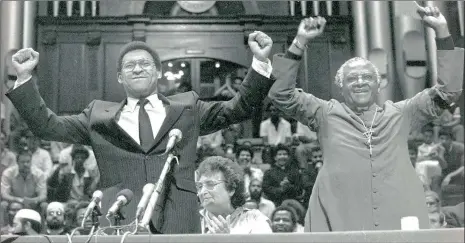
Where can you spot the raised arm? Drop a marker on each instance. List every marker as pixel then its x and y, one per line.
pixel 429 103
pixel 244 105
pixel 42 121
pixel 295 103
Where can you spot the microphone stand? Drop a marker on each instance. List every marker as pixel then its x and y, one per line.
pixel 118 217
pixel 95 214
pixel 156 193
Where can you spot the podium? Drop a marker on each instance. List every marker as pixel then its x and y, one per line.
pixel 423 236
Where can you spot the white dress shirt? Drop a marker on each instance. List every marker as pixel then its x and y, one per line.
pixel 129 117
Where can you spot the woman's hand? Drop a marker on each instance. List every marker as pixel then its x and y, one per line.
pixel 218 225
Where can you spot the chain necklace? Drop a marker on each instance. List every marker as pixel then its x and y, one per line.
pixel 368 134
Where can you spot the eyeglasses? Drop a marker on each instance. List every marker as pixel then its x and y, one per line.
pixel 144 64
pixel 57 213
pixel 209 185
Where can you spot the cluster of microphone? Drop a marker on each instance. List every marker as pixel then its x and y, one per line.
pixel 150 192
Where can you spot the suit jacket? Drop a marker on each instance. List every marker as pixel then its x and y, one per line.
pixel 122 161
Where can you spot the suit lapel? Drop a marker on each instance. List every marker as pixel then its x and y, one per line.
pixel 173 112
pixel 111 122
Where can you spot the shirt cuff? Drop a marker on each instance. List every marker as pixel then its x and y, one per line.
pixel 446 43
pixel 291 55
pixel 263 68
pixel 20 82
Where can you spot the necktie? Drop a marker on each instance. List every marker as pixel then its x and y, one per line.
pixel 145 128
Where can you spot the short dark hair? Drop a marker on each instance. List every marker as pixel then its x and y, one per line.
pixel 286 208
pixel 445 132
pixel 243 148
pixel 299 209
pixel 79 149
pixel 233 176
pixel 138 45
pixel 280 147
pixel 427 128
pixel 35 225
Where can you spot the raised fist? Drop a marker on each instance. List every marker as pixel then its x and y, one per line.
pixel 433 18
pixel 24 61
pixel 310 28
pixel 260 44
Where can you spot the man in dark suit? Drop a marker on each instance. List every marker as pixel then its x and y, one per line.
pixel 129 139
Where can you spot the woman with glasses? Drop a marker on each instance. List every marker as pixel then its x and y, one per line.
pixel 220 188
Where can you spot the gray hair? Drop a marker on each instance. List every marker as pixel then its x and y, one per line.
pixel 340 72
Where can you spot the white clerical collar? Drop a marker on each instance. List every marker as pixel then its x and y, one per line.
pixel 153 101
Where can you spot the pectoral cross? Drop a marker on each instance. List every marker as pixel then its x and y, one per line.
pixel 369 134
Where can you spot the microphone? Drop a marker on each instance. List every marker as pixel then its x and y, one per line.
pixel 94 202
pixel 147 192
pixel 122 199
pixel 175 136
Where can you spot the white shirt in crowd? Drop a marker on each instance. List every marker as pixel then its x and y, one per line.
pixel 276 136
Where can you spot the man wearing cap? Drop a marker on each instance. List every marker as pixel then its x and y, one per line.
pixel 55 220
pixel 130 137
pixel 27 222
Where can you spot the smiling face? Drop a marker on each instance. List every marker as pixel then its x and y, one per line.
pixel 360 85
pixel 139 75
pixel 282 222
pixel 213 193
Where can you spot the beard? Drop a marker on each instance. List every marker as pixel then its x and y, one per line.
pixel 54 224
pixel 256 195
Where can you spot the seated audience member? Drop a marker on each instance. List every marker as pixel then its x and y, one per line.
pixel 256 193
pixel 7 157
pixel 450 119
pixel 244 156
pixel 41 158
pixel 299 213
pixel 79 216
pixel 307 140
pixel 454 156
pixel 27 222
pixel 433 202
pixel 283 220
pixel 412 151
pixel 275 130
pixel 220 188
pixel 13 208
pixel 454 215
pixel 282 181
pixel 55 220
pixel 430 160
pixel 90 164
pixel 309 175
pixel 437 220
pixel 24 184
pixel 76 183
pixel 213 141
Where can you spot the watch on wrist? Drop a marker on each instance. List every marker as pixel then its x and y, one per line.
pixel 299 45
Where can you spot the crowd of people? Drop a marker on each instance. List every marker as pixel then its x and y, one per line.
pixel 343 167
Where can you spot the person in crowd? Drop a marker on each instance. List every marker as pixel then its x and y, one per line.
pixel 453 156
pixel 55 220
pixel 41 158
pixel 275 130
pixel 454 215
pixel 307 140
pixel 79 216
pixel 75 183
pixel 364 143
pixel 299 213
pixel 244 156
pixel 450 119
pixel 13 208
pixel 251 204
pixel 433 202
pixel 27 222
pixel 220 188
pixel 256 193
pixel 131 135
pixel 412 152
pixel 283 220
pixel 430 159
pixel 90 164
pixel 437 220
pixel 309 175
pixel 282 181
pixel 7 157
pixel 24 184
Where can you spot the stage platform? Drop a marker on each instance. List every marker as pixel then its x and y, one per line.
pixel 436 236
